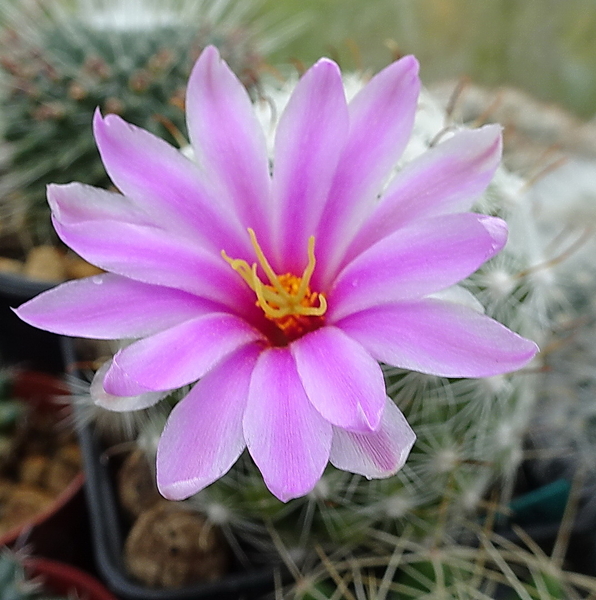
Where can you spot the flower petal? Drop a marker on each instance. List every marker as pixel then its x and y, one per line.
pixel 310 137
pixel 459 295
pixel 119 403
pixel 117 383
pixel 203 436
pixel 184 353
pixel 151 255
pixel 228 140
pixel 440 338
pixel 422 258
pixel 164 184
pixel 73 203
pixel 107 307
pixel 376 454
pixel 381 120
pixel 287 438
pixel 446 178
pixel 341 379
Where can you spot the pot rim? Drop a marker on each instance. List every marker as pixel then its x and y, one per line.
pixel 61 576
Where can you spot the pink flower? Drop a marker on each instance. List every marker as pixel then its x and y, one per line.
pixel 276 295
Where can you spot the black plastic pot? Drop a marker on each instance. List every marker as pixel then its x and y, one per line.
pixel 21 344
pixel 540 508
pixel 108 536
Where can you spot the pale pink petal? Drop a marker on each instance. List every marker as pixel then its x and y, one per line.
pixel 446 178
pixel 341 379
pixel 378 453
pixel 381 120
pixel 111 307
pixel 117 383
pixel 426 256
pixel 150 255
pixel 440 338
pixel 459 295
pixel 203 436
pixel 120 403
pixel 164 184
pixel 75 203
pixel 286 437
pixel 184 353
pixel 308 142
pixel 228 140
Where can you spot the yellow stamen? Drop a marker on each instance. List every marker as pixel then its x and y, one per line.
pixel 286 295
pixel 265 264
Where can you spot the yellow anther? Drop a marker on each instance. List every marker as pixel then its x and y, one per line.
pixel 287 295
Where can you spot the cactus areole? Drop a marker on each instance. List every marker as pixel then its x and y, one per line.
pixel 275 293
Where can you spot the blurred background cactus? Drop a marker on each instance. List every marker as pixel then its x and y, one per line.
pixel 131 57
pixel 558 152
pixel 15 584
pixel 544 47
pixel 563 432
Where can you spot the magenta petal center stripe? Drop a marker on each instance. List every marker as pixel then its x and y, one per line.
pixel 287 437
pixel 207 426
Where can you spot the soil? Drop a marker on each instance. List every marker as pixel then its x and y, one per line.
pixel 40 459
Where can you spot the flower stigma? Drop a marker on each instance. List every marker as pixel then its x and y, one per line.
pixel 287 300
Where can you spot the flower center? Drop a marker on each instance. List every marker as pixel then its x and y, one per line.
pixel 287 300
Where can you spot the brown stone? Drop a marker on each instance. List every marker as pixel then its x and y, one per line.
pixel 22 504
pixel 63 467
pixel 170 546
pixel 77 268
pixel 6 487
pixel 137 490
pixel 33 469
pixel 10 265
pixel 59 475
pixel 45 263
pixel 71 454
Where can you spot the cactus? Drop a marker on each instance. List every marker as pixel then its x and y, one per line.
pixel 563 432
pixel 132 58
pixel 399 568
pixel 487 562
pixel 470 431
pixel 559 150
pixel 14 582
